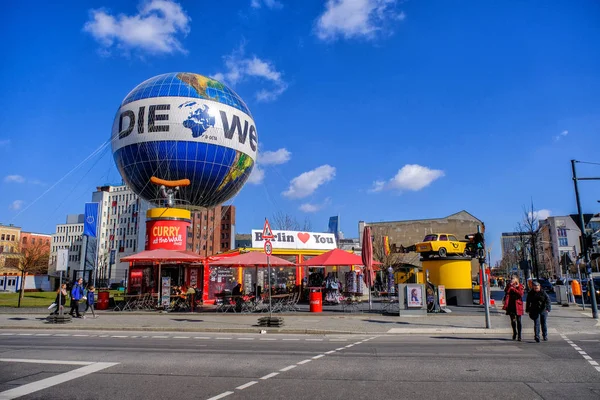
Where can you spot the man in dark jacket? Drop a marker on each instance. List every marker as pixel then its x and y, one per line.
pixel 538 306
pixel 76 295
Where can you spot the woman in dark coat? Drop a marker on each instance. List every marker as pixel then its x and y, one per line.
pixel 513 304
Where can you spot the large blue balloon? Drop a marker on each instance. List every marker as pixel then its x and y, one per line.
pixel 185 126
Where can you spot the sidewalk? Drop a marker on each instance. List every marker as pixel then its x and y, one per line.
pixel 463 320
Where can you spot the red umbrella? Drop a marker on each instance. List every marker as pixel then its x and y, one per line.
pixel 334 257
pixel 253 258
pixel 367 259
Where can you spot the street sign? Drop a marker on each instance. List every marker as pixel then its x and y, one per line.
pixel 267 232
pixel 268 247
pixel 62 259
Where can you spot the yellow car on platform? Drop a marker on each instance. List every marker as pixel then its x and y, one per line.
pixel 441 244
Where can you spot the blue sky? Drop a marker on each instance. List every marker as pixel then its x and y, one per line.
pixel 392 110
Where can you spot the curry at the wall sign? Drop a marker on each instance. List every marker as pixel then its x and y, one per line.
pixel 166 234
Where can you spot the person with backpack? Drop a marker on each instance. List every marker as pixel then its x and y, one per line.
pixel 538 305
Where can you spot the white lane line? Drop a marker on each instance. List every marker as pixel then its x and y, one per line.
pixel 287 368
pixel 81 335
pixel 106 336
pixel 181 337
pixel 246 385
pixel 268 376
pixel 145 337
pixel 338 340
pixel 245 338
pixel 62 334
pixel 350 345
pixel 303 362
pixel 160 337
pixel 329 352
pixel 339 349
pixel 589 340
pixel 119 336
pixel 220 396
pixel 223 338
pixel 314 340
pixel 7 334
pixel 54 380
pixel 201 337
pixel 25 334
pixel 319 356
pixel 267 339
pixel 583 353
pixel 291 339
pixel 43 334
pixel 34 361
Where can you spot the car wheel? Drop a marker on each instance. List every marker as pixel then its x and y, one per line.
pixel 442 252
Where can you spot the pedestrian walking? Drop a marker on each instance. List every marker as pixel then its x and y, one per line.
pixel 513 304
pixel 76 295
pixel 538 305
pixel 91 300
pixel 61 298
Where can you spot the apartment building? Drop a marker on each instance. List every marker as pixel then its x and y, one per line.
pixel 68 236
pixel 212 231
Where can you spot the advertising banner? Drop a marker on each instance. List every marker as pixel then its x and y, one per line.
pixel 62 259
pixel 165 293
pixel 414 296
pixel 442 295
pixel 166 234
pixel 296 240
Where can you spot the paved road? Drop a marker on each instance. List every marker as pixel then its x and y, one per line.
pixel 153 365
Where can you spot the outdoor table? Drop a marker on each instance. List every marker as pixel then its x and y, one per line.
pixel 278 300
pixel 351 302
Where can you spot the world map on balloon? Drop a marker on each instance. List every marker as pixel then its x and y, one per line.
pixel 185 126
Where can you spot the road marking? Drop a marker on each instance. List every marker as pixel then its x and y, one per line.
pixel 266 339
pixel 268 376
pixel 303 362
pixel 101 336
pixel 160 337
pixel 583 353
pixel 329 352
pixel 24 334
pixel 81 335
pixel 43 334
pixel 589 340
pixel 220 396
pixel 314 340
pixel 223 338
pixel 201 337
pixel 54 380
pixel 290 339
pixel 63 334
pixel 34 361
pixel 287 368
pixel 119 336
pixel 133 337
pixel 338 340
pixel 339 349
pixel 181 337
pixel 245 338
pixel 319 356
pixel 350 345
pixel 246 385
pixel 6 334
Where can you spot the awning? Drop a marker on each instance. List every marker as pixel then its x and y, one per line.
pixel 254 259
pixel 161 255
pixel 335 257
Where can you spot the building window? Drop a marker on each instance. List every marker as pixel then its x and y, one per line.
pixel 563 242
pixel 562 232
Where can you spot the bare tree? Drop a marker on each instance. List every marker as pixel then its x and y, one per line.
pixel 529 231
pixel 287 222
pixel 31 259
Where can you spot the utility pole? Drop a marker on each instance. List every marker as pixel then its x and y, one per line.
pixel 584 249
pixel 483 276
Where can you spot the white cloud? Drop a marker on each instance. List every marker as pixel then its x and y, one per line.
pixel 306 183
pixel 257 175
pixel 239 67
pixel 14 179
pixel 267 3
pixel 410 177
pixel 356 18
pixel 16 205
pixel 4 142
pixel 155 29
pixel 312 208
pixel 540 214
pixel 561 135
pixel 276 157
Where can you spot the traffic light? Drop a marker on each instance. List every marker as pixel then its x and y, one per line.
pixel 480 245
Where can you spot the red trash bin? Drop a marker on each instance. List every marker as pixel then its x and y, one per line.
pixel 315 300
pixel 102 302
